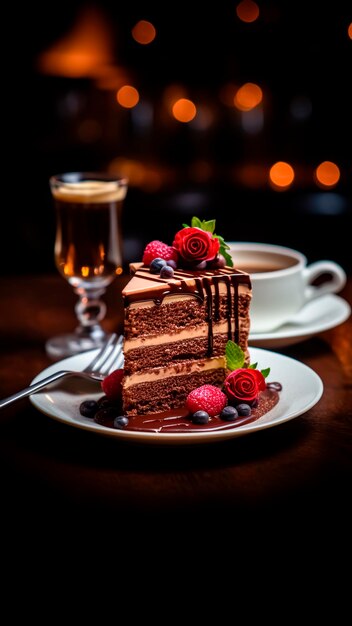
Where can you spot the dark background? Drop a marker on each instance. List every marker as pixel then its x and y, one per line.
pixel 300 55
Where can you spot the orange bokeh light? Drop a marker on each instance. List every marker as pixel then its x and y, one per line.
pixel 281 175
pixel 350 31
pixel 327 174
pixel 127 96
pixel 184 110
pixel 247 11
pixel 171 94
pixel 83 51
pixel 143 32
pixel 248 96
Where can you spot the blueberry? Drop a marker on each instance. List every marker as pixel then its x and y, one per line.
pixel 88 408
pixel 172 264
pixel 229 414
pixel 244 410
pixel 156 265
pixel 166 272
pixel 200 417
pixel 120 422
pixel 201 266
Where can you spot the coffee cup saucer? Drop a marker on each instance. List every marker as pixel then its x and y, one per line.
pixel 315 317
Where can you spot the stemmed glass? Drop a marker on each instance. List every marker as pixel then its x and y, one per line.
pixel 88 250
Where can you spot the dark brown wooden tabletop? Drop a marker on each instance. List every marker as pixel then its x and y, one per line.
pixel 300 470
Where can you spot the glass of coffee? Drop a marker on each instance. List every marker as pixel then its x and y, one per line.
pixel 88 250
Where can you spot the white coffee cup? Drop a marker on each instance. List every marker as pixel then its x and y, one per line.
pixel 281 281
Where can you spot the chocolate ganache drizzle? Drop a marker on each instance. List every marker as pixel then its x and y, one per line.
pixel 198 284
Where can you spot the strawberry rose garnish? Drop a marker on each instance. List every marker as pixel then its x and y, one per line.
pixel 244 385
pixel 195 245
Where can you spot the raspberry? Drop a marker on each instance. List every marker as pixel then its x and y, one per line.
pixel 157 249
pixel 112 385
pixel 206 398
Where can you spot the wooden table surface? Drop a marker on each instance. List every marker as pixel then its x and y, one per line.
pixel 299 471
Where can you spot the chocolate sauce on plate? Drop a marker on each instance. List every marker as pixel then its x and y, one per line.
pixel 179 421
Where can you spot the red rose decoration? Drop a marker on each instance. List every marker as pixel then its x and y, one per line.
pixel 244 385
pixel 260 379
pixel 195 245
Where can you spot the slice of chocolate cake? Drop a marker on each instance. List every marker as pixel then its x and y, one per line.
pixel 176 330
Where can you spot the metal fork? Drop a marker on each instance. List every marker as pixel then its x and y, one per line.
pixel 109 358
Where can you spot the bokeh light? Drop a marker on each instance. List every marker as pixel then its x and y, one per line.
pixel 281 175
pixel 247 11
pixel 146 176
pixel 83 51
pixel 127 96
pixel 350 31
pixel 173 93
pixel 248 96
pixel 184 110
pixel 143 32
pixel 327 174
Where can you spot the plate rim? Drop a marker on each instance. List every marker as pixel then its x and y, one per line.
pixel 303 331
pixel 193 437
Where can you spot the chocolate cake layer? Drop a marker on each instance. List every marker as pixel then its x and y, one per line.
pixel 175 315
pixel 166 394
pixel 145 357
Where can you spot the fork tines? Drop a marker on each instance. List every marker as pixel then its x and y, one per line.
pixel 114 360
pixel 109 357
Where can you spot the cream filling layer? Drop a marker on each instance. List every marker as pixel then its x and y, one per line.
pixel 198 332
pixel 180 369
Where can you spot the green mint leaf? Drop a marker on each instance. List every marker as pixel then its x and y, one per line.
pixel 235 356
pixel 196 223
pixel 266 372
pixel 185 225
pixel 221 239
pixel 252 366
pixel 226 256
pixel 209 226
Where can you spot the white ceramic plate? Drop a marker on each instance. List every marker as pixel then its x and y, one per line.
pixel 302 388
pixel 318 315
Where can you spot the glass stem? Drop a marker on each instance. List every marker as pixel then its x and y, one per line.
pixel 90 310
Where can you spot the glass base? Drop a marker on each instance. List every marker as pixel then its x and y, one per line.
pixel 63 346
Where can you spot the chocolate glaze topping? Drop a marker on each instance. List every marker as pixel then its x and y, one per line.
pixel 196 284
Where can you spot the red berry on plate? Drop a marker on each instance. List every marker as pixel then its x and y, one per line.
pixel 112 385
pixel 159 250
pixel 206 398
